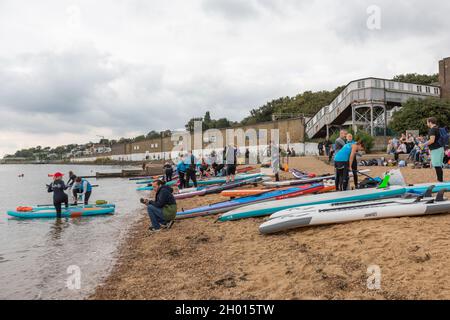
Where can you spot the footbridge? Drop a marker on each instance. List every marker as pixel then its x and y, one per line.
pixel 368 103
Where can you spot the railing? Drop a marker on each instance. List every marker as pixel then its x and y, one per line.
pixel 361 90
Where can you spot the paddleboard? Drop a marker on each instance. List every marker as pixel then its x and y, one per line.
pixel 277 184
pixel 70 213
pixel 212 181
pixel 354 212
pixel 239 202
pixel 270 207
pixel 217 189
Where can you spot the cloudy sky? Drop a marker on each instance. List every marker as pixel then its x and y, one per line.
pixel 71 71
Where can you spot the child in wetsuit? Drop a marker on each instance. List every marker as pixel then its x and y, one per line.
pixel 59 196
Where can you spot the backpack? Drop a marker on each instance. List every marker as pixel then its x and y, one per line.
pixel 443 137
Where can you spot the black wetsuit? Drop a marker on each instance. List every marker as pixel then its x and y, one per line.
pixel 168 172
pixel 71 180
pixel 191 172
pixel 59 196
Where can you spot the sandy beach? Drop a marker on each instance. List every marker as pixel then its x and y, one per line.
pixel 202 259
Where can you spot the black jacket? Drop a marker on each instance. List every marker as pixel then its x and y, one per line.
pixel 58 187
pixel 163 197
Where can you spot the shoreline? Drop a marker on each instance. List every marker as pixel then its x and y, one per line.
pixel 200 259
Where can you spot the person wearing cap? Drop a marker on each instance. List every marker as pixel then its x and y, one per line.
pixel 59 196
pixel 163 210
pixel 83 187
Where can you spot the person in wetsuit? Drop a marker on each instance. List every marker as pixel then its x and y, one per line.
pixel 354 167
pixel 168 171
pixel 82 186
pixel 59 196
pixel 343 161
pixel 72 177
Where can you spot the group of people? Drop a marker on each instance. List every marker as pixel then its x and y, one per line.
pixel 345 151
pixel 188 166
pixel 432 150
pixel 80 187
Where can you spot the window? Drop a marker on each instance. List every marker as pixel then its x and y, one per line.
pixel 391 85
pixel 401 86
pixel 436 91
pixel 377 83
pixel 361 84
pixel 419 88
pixel 428 89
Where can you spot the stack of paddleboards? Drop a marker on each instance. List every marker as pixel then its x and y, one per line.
pixel 240 202
pixel 305 179
pixel 203 191
pixel 353 211
pixel 212 181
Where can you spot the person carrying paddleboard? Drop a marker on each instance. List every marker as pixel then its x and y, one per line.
pixel 59 196
pixel 83 187
pixel 343 161
pixel 438 140
pixel 163 210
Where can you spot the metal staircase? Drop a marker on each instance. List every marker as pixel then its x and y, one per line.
pixel 366 102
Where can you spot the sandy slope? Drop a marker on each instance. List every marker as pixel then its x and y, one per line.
pixel 201 259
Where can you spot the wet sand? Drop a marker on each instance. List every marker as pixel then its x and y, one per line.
pixel 201 259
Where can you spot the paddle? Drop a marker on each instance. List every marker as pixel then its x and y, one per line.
pixel 98 202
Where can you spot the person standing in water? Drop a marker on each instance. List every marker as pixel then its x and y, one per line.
pixel 72 177
pixel 59 196
pixel 84 188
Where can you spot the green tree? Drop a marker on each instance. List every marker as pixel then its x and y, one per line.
pixel 307 102
pixel 422 79
pixel 413 115
pixel 153 135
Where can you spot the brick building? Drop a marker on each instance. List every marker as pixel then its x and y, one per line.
pixel 444 77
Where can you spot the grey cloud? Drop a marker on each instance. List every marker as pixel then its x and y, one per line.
pixel 232 9
pixel 399 19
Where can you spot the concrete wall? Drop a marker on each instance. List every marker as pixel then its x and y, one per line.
pixel 291 131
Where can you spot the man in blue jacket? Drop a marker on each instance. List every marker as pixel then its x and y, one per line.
pixel 163 210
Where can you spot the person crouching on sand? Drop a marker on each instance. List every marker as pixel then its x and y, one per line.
pixel 163 210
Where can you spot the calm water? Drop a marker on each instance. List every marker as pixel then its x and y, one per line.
pixel 35 254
